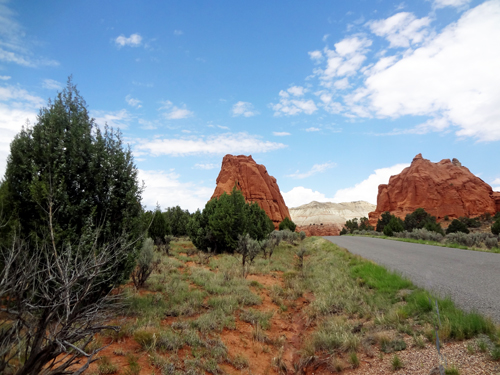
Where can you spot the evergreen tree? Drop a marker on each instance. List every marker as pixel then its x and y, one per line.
pixel 287 224
pixel 352 225
pixel 177 220
pixel 223 219
pixel 457 226
pixel 395 225
pixel 159 228
pixel 495 228
pixel 64 176
pixel 419 219
pixel 364 224
pixel 383 221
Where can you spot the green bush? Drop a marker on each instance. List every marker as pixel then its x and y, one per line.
pixel 470 222
pixel 343 231
pixel 383 221
pixel 395 225
pixel 225 218
pixel 364 224
pixel 419 219
pixel 177 220
pixel 159 228
pixel 457 226
pixel 495 228
pixel 287 224
pixel 352 225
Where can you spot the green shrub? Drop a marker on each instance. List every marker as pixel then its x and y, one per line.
pixel 470 222
pixel 146 263
pixel 495 228
pixel 287 224
pixel 383 221
pixel 395 225
pixel 343 231
pixel 352 225
pixel 158 228
pixel 364 224
pixel 457 226
pixel 225 218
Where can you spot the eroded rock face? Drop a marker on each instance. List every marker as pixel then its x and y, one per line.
pixel 320 230
pixel 443 188
pixel 255 184
pixel 327 218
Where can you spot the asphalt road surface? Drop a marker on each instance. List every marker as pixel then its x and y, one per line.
pixel 470 278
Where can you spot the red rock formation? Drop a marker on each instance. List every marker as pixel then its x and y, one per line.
pixel 444 188
pixel 255 184
pixel 320 230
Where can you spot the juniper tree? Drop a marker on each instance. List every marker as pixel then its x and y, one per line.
pixel 65 174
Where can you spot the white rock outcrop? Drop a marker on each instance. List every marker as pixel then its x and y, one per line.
pixel 329 213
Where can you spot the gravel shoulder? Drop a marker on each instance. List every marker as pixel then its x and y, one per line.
pixel 470 278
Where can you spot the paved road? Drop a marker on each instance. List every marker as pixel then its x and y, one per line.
pixel 471 278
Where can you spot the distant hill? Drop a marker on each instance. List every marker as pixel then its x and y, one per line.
pixel 317 213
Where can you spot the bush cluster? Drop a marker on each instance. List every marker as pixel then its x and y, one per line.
pixel 419 219
pixel 473 239
pixel 225 218
pixel 460 238
pixel 351 225
pixel 457 226
pixel 287 224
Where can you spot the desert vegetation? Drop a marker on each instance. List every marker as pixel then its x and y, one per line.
pixel 311 306
pixel 421 227
pixel 91 283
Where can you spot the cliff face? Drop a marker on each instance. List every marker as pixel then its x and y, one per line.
pixel 329 213
pixel 443 188
pixel 327 218
pixel 255 184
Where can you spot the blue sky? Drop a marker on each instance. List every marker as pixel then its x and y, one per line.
pixel 332 97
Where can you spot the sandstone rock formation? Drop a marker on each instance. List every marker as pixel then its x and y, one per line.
pixel 255 184
pixel 327 219
pixel 443 188
pixel 320 230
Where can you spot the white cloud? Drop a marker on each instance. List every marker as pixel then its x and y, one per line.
pixel 174 112
pixel 402 29
pixel 115 119
pixel 312 129
pixel 300 195
pixel 495 184
pixel 228 143
pixel 14 47
pixel 367 190
pixel 291 107
pixel 244 109
pixel 205 166
pixel 345 60
pixel 316 56
pixel 450 3
pixel 52 84
pixel 281 134
pixel 178 32
pixel 133 102
pixel 297 90
pixel 316 168
pixel 5 78
pixel 166 189
pixel 452 78
pixel 133 40
pixel 16 107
